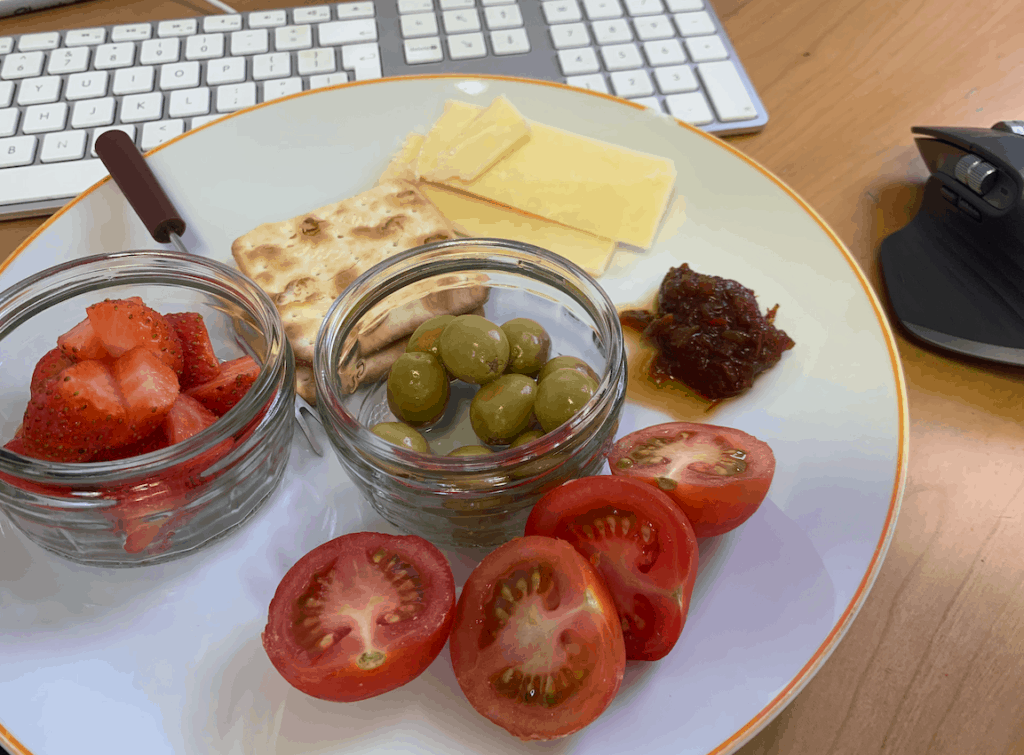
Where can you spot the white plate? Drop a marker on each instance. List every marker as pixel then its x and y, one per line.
pixel 168 659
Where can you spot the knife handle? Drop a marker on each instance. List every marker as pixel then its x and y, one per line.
pixel 131 173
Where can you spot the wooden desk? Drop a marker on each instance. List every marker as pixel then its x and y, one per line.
pixel 933 663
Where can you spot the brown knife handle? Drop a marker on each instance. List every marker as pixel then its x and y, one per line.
pixel 130 172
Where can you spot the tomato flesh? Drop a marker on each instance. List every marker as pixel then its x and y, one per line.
pixel 642 545
pixel 360 615
pixel 537 647
pixel 717 475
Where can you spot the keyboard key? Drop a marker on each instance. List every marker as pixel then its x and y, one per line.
pixel 77 37
pixel 44 41
pixel 187 102
pixel 675 79
pixel 142 107
pixel 668 52
pixel 423 50
pixel 510 42
pixel 311 15
pixel 43 118
pixel 497 2
pixel 129 130
pixel 601 9
pixel 561 11
pixel 318 60
pixel 293 37
pixel 231 22
pixel 418 25
pixel 179 75
pixel 564 36
pixel 202 120
pixel 459 21
pixel 594 82
pixel 115 55
pixel 694 24
pixel 632 83
pixel 6 93
pixel 652 103
pixel 271 65
pixel 39 90
pixel 154 51
pixel 644 7
pixel 654 27
pixel 728 94
pixel 575 62
pixel 322 80
pixel 180 28
pixel 68 60
pixel 89 113
pixel 8 121
pixel 691 107
pixel 6 45
pixel 415 6
pixel 456 4
pixel 347 32
pixel 131 33
pixel 347 11
pixel 32 183
pixel 503 17
pixel 133 80
pixel 250 42
pixel 82 86
pixel 681 6
pixel 232 97
pixel 225 71
pixel 155 134
pixel 266 19
pixel 276 88
pixel 611 32
pixel 465 46
pixel 22 65
pixel 67 145
pixel 204 46
pixel 621 57
pixel 363 60
pixel 704 49
pixel 17 150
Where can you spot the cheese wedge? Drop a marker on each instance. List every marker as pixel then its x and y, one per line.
pixel 478 217
pixel 493 134
pixel 582 183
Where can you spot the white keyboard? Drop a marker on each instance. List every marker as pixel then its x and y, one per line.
pixel 60 90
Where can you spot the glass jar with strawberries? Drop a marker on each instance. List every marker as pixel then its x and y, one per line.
pixel 145 406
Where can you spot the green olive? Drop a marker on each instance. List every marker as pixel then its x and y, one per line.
pixel 560 363
pixel 400 434
pixel 470 451
pixel 502 409
pixel 427 335
pixel 529 345
pixel 561 395
pixel 418 388
pixel 474 349
pixel 528 437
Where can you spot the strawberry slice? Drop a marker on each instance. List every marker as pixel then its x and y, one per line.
pixel 123 324
pixel 200 362
pixel 81 343
pixel 226 390
pixel 152 442
pixel 79 412
pixel 187 417
pixel 149 388
pixel 51 363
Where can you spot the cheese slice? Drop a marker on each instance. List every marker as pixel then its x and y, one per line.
pixel 403 165
pixel 441 137
pixel 493 134
pixel 600 188
pixel 478 217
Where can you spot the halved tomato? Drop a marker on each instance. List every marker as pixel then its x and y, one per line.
pixel 718 476
pixel 360 615
pixel 537 646
pixel 642 545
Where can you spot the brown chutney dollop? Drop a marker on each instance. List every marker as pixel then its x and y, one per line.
pixel 709 332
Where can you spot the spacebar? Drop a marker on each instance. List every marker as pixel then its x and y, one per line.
pixel 34 183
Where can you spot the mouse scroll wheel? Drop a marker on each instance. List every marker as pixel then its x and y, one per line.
pixel 977 174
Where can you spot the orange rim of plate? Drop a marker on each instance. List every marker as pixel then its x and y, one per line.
pixel 791 690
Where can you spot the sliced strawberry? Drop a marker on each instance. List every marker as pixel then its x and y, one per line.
pixel 186 418
pixel 200 362
pixel 152 442
pixel 150 510
pixel 51 363
pixel 123 324
pixel 226 390
pixel 149 388
pixel 81 343
pixel 79 412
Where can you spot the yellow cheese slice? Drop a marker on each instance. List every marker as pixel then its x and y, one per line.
pixel 582 183
pixel 478 217
pixel 494 133
pixel 441 137
pixel 403 164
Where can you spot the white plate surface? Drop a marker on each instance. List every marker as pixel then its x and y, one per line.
pixel 167 659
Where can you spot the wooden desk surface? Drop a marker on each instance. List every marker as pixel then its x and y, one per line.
pixel 933 663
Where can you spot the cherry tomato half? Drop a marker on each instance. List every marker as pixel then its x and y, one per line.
pixel 360 615
pixel 718 476
pixel 642 545
pixel 537 647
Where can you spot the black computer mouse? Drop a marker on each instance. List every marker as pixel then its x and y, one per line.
pixel 955 273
